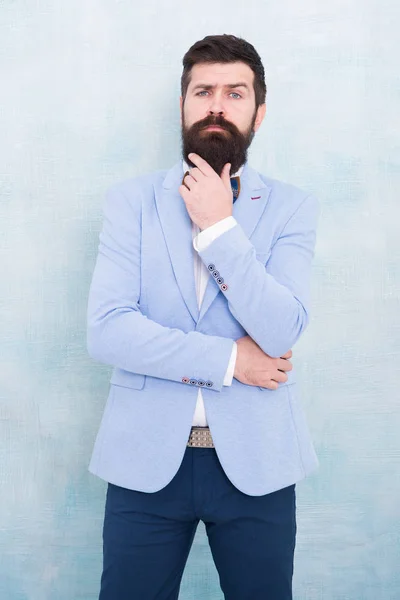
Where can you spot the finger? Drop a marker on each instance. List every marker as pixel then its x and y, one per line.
pixel 184 192
pixel 189 182
pixel 203 165
pixel 271 385
pixel 284 364
pixel 196 174
pixel 225 175
pixel 280 377
pixel 288 354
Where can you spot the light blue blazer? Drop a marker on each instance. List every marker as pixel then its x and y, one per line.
pixel 143 319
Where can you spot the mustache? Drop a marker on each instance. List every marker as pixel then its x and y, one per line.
pixel 215 120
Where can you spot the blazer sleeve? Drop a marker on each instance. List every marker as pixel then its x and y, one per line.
pixel 118 333
pixel 270 301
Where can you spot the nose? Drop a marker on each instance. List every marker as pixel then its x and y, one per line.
pixel 215 113
pixel 216 107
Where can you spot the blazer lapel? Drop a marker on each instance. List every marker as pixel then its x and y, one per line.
pixel 247 210
pixel 177 228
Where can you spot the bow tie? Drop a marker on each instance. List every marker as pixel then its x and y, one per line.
pixel 235 185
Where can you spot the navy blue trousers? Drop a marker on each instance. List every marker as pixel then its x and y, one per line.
pixel 147 536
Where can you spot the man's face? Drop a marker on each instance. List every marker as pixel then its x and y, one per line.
pixel 220 95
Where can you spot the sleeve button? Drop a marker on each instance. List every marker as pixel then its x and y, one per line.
pixel 224 287
pixel 211 267
pixel 185 380
pixel 209 383
pixel 193 382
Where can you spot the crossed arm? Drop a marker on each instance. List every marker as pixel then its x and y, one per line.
pixel 270 302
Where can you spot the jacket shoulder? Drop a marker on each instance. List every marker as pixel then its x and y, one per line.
pixel 284 189
pixel 141 182
pixel 288 198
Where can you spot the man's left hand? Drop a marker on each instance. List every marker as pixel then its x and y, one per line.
pixel 208 197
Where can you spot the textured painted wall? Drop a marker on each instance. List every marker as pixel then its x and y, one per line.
pixel 90 96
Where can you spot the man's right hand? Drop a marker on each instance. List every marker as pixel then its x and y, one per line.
pixel 254 367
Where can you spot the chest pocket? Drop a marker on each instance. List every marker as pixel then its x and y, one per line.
pixel 127 379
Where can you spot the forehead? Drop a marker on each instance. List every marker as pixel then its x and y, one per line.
pixel 221 73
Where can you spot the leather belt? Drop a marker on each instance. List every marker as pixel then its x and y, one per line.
pixel 200 437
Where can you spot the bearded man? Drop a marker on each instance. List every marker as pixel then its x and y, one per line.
pixel 200 289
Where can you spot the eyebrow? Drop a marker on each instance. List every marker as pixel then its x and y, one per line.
pixel 208 86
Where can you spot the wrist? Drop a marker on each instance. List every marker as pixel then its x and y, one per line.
pixel 210 223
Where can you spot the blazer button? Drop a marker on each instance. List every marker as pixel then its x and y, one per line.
pixel 193 382
pixel 224 287
pixel 209 383
pixel 220 280
pixel 185 379
pixel 211 267
pixel 215 274
pixel 200 382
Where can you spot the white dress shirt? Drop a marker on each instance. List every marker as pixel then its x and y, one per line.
pixel 202 239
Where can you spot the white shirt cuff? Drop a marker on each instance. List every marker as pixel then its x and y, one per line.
pixel 203 239
pixel 231 366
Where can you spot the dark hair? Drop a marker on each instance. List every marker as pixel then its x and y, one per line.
pixel 225 49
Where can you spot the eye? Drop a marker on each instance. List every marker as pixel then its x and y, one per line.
pixel 236 94
pixel 202 92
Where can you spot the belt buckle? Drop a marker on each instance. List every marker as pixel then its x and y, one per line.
pixel 200 437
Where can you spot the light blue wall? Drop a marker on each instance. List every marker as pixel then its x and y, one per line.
pixel 90 96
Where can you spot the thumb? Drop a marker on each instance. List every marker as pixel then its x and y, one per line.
pixel 226 175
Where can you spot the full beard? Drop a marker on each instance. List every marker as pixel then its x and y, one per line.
pixel 217 147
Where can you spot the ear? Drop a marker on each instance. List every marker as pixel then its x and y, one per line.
pixel 261 110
